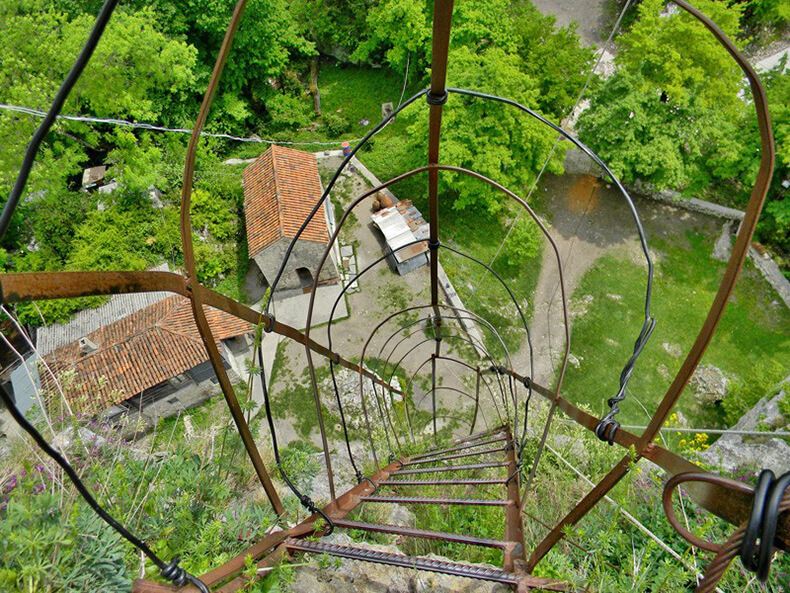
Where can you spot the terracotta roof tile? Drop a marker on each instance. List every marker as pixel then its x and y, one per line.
pixel 280 190
pixel 138 352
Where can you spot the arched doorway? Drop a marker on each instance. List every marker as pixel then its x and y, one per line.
pixel 305 279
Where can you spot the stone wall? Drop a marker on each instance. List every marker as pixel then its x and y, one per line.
pixel 306 254
pixel 772 274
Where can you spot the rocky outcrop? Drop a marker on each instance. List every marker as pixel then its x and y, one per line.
pixel 353 576
pixel 348 388
pixel 734 451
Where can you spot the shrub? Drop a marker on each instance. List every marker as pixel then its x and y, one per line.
pixel 336 124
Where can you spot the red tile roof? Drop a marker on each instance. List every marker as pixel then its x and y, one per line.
pixel 280 190
pixel 137 352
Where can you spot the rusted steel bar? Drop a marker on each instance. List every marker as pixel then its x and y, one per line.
pixel 442 21
pixel 20 287
pixel 450 468
pixel 477 400
pixel 474 482
pixel 414 347
pixel 458 448
pixel 456 456
pixel 515 555
pixel 230 568
pixel 422 533
pixel 191 271
pixel 726 287
pixel 409 309
pixel 730 506
pixel 473 437
pixel 433 394
pixel 428 564
pixel 484 502
pixel 427 360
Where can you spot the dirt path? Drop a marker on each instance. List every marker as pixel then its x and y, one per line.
pixel 578 251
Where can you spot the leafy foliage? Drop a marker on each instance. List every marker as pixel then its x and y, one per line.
pixel 662 117
pixel 514 146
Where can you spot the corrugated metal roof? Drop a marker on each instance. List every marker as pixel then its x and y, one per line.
pixel 398 233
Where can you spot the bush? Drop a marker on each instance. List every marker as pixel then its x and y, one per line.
pixel 336 124
pixel 288 111
pixel 524 242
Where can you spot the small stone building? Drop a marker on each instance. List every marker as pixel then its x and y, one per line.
pixel 281 188
pixel 148 356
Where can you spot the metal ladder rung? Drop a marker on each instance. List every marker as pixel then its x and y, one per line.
pixel 450 468
pixel 421 533
pixel 483 573
pixel 456 456
pixel 475 482
pixel 460 447
pixel 430 500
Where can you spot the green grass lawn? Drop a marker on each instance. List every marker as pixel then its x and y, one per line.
pixel 751 345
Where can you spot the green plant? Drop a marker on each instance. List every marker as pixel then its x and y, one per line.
pixel 335 124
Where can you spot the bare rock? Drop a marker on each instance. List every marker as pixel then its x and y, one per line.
pixel 723 245
pixel 709 384
pixel 734 451
pixel 672 349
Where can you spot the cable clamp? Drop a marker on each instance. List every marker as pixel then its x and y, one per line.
pixel 432 99
pixel 527 382
pixel 607 425
pixel 179 577
pixel 308 503
pixel 270 327
pixel 361 478
pixel 434 245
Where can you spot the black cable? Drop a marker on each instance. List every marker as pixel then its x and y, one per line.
pixel 305 500
pixel 357 473
pixel 763 522
pixel 171 571
pixel 381 415
pixel 57 104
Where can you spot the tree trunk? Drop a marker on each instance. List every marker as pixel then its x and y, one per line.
pixel 314 85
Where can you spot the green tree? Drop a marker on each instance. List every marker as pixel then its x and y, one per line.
pixel 553 56
pixel 136 72
pixel 494 139
pixel 397 30
pixel 671 114
pixel 774 227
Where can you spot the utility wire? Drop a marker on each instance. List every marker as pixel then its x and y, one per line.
pixel 49 118
pixel 153 128
pixel 639 525
pixel 171 571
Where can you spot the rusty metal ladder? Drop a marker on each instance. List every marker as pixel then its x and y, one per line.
pixel 486 445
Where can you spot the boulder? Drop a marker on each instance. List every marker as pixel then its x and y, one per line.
pixel 709 384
